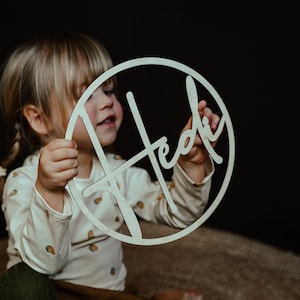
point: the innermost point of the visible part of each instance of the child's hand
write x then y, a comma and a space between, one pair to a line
193, 162
57, 165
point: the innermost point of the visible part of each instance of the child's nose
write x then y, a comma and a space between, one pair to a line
105, 102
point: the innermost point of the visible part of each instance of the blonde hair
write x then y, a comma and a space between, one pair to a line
50, 73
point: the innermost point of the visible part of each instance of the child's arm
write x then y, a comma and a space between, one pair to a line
38, 234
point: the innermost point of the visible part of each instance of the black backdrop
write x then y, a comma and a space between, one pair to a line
253, 66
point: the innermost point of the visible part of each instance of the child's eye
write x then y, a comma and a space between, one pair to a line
109, 92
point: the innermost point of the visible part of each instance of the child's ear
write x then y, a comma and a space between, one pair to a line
36, 119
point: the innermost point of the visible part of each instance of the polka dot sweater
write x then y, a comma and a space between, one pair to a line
67, 246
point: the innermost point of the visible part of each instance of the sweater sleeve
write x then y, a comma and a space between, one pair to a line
150, 202
38, 235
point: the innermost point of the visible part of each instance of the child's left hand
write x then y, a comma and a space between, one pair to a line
193, 163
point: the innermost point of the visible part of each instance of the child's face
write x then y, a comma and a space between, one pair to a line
106, 115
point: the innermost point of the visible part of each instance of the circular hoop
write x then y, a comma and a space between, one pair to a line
79, 111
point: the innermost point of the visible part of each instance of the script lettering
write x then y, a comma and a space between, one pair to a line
185, 144
187, 138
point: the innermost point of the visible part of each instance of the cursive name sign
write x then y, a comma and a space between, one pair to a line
186, 140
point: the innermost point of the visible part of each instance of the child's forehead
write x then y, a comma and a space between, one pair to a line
109, 84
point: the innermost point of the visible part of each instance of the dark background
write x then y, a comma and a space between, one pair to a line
253, 63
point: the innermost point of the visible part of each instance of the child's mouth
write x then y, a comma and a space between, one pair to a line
107, 121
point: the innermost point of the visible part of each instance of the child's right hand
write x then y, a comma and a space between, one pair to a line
57, 165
